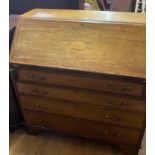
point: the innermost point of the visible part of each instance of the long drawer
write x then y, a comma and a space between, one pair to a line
81, 96
82, 127
85, 111
75, 80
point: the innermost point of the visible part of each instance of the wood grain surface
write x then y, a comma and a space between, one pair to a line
77, 126
86, 111
103, 48
109, 43
82, 81
79, 95
85, 15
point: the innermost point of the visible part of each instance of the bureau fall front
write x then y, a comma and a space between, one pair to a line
82, 73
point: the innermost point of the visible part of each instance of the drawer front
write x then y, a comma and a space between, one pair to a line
81, 96
85, 111
114, 86
82, 127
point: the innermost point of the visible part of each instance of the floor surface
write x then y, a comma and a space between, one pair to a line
51, 143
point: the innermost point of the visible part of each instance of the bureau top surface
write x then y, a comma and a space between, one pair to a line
86, 16
90, 41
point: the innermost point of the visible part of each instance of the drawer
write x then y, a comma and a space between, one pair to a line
82, 127
81, 96
85, 111
75, 80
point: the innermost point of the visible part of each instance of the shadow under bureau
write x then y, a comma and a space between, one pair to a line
82, 73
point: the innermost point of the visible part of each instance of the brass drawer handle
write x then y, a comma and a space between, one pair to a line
40, 121
75, 92
50, 122
126, 89
36, 91
122, 104
41, 77
38, 105
111, 87
31, 76
118, 118
48, 106
112, 134
43, 107
45, 92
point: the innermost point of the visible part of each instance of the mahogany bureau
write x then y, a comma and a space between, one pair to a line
82, 73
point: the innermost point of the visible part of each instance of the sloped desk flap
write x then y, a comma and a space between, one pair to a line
91, 41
